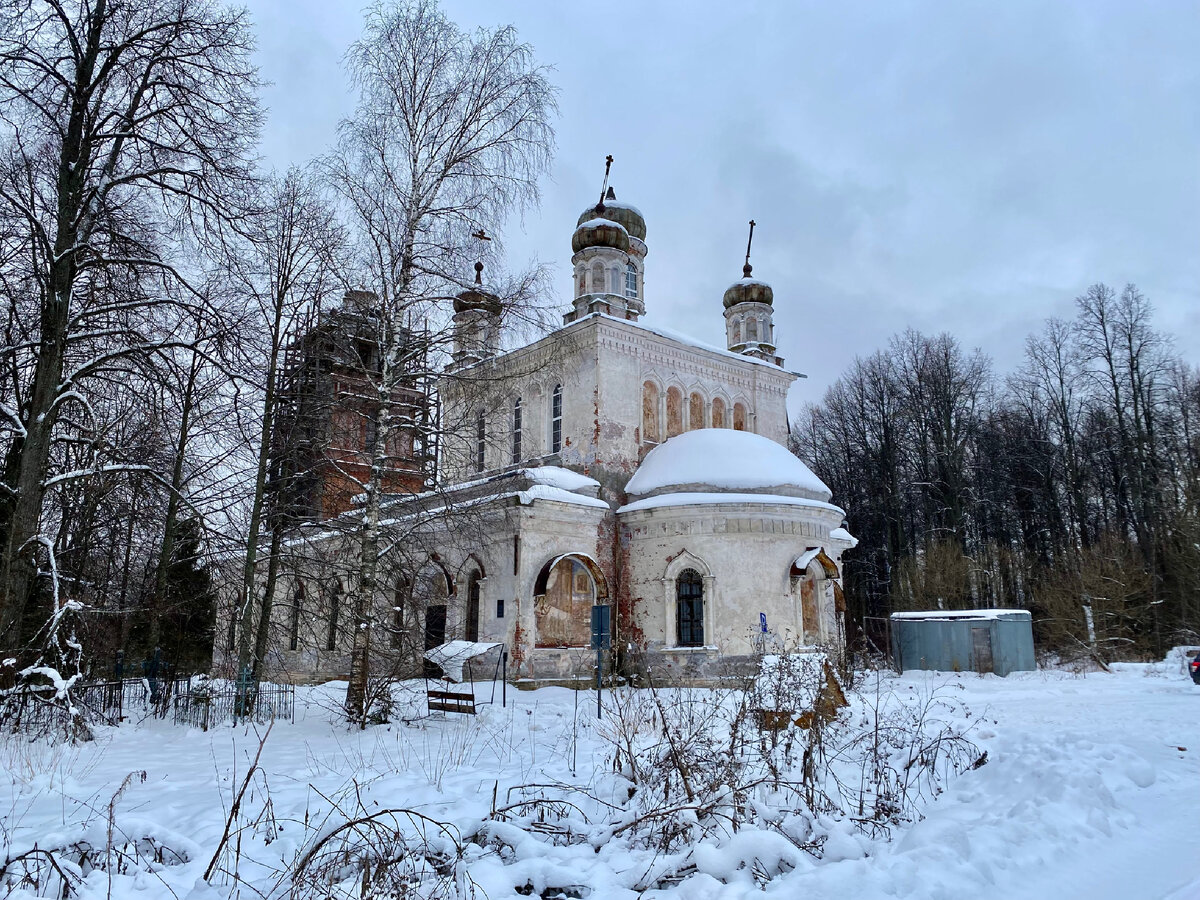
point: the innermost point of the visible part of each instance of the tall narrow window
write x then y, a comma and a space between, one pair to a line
480, 441
556, 419
631, 281
751, 331
718, 413
335, 601
689, 597
297, 602
737, 331
739, 417
516, 431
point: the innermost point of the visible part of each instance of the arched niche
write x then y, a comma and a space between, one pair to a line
812, 575
565, 590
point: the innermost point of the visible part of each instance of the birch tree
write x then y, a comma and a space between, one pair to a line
449, 136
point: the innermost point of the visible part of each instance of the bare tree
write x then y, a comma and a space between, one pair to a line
125, 126
449, 136
286, 261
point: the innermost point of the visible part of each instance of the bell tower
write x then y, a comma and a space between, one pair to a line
749, 326
608, 261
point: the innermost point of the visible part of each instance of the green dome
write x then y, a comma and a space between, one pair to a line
622, 213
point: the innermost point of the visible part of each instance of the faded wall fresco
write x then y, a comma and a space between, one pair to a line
564, 613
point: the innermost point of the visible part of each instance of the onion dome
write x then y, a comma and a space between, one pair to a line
600, 232
476, 297
748, 290
629, 217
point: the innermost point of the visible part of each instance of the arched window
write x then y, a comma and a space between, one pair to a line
695, 412
297, 602
614, 278
650, 412
739, 417
631, 281
597, 285
737, 331
516, 431
718, 413
581, 282
480, 441
335, 602
556, 419
751, 331
674, 411
689, 608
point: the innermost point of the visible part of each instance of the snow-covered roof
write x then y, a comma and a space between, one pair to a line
964, 614
841, 534
557, 476
681, 338
697, 498
725, 460
451, 657
548, 492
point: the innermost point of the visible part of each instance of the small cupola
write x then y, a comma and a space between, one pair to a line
609, 251
476, 324
749, 310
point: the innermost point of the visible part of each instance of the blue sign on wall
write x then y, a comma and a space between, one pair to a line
762, 622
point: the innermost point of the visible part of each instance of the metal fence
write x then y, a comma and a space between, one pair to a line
37, 709
213, 703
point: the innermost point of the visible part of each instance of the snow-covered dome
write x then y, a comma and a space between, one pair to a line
748, 290
476, 297
600, 233
628, 217
716, 460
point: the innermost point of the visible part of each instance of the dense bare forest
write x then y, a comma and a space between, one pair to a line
1068, 487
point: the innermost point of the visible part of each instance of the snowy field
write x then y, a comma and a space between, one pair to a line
1091, 789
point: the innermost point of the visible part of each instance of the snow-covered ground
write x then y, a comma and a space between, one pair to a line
1091, 789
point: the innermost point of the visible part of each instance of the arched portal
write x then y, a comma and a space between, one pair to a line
565, 590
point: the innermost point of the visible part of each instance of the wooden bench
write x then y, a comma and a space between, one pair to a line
452, 702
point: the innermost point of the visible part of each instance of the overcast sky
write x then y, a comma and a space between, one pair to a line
960, 166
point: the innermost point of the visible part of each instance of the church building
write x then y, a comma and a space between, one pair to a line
610, 463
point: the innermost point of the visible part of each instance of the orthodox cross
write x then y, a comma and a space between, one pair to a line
746, 269
604, 187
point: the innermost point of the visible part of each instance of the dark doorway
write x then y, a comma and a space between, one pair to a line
473, 607
435, 626
435, 634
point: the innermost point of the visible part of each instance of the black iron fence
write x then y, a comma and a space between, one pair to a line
34, 708
189, 700
213, 703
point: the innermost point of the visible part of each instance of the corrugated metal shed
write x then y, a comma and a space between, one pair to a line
975, 640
